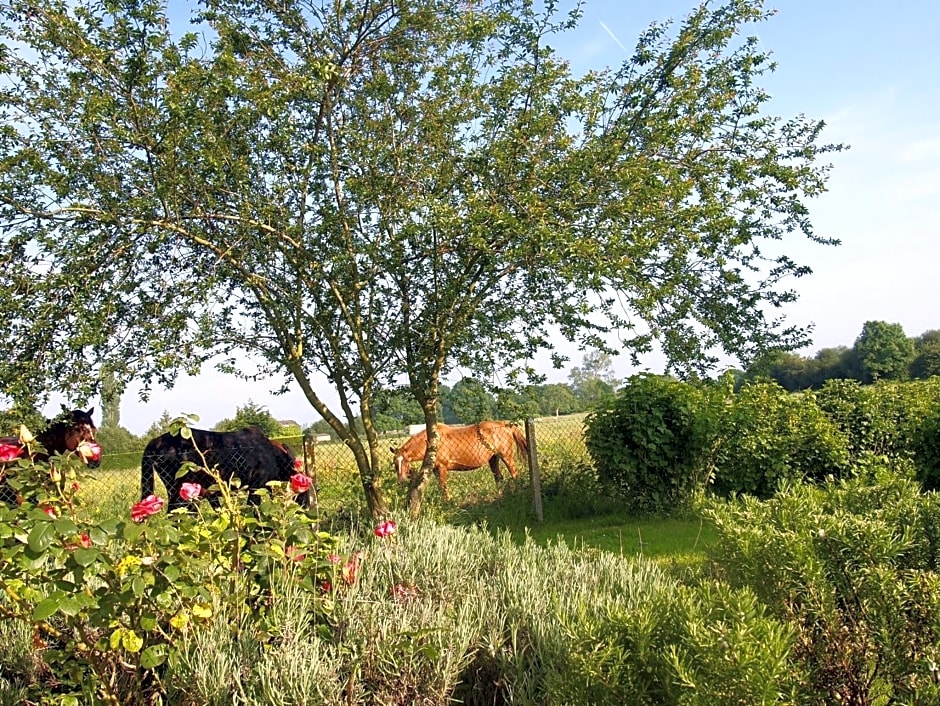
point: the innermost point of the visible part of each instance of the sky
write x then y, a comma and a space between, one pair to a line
869, 69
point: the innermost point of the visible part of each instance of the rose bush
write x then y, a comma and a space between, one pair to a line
108, 601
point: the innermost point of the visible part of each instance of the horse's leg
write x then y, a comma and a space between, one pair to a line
442, 479
497, 471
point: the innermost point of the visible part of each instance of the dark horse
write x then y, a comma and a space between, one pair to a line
463, 448
73, 432
246, 454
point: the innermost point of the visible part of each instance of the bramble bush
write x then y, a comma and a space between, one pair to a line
770, 436
107, 602
653, 444
883, 419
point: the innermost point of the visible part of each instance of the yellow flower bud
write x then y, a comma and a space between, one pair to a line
26, 436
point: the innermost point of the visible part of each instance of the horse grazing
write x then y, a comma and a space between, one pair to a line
464, 448
246, 454
73, 432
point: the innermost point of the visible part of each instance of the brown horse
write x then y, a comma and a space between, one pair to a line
72, 432
463, 448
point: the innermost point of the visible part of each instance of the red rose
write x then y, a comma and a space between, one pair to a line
351, 568
150, 505
10, 452
49, 510
299, 483
298, 464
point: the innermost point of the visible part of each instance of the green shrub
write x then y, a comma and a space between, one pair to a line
653, 444
770, 436
851, 566
882, 419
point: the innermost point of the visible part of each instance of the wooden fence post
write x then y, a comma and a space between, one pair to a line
534, 468
310, 468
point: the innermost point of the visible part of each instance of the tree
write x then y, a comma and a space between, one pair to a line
380, 192
884, 351
556, 399
594, 382
926, 361
396, 410
248, 415
471, 402
110, 400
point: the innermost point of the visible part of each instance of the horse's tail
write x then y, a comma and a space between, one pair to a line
147, 472
522, 444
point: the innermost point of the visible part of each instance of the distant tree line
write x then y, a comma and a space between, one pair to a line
882, 351
469, 401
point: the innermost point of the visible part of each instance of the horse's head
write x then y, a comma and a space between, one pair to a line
77, 432
402, 467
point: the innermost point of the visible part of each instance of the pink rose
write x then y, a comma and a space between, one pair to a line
299, 483
150, 505
10, 452
190, 491
386, 529
334, 558
89, 450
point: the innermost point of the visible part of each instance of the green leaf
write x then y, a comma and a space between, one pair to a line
85, 557
46, 608
64, 525
70, 606
154, 656
41, 536
132, 531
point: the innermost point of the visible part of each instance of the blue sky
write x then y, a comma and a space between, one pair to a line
870, 70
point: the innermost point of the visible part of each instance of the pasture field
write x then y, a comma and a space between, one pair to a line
575, 510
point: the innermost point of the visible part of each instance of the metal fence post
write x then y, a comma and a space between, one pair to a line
534, 468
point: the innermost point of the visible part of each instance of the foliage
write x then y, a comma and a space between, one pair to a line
593, 382
381, 192
109, 600
925, 434
852, 567
884, 419
395, 410
770, 436
926, 355
251, 414
470, 402
652, 446
118, 440
884, 351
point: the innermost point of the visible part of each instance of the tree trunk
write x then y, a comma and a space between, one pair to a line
419, 483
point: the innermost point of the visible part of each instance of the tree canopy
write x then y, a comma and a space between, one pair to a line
381, 191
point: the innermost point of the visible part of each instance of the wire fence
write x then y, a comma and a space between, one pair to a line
555, 445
